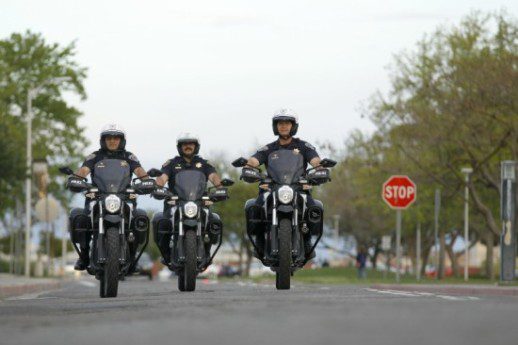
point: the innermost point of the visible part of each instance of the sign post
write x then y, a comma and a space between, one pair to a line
399, 192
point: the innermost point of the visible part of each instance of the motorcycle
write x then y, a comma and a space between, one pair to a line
193, 232
285, 216
120, 233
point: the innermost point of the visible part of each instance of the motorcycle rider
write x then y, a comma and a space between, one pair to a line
188, 147
112, 146
285, 125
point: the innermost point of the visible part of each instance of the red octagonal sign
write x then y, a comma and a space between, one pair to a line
399, 191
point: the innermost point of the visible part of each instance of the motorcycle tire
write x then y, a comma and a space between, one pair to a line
110, 275
283, 274
191, 261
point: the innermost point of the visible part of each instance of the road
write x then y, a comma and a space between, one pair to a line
246, 313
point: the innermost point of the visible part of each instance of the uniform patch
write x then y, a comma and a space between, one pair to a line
124, 164
178, 166
90, 157
198, 165
133, 158
310, 146
296, 151
166, 163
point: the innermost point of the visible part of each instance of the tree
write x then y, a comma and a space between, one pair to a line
28, 61
453, 104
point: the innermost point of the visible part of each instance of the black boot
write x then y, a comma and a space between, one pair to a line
307, 248
83, 261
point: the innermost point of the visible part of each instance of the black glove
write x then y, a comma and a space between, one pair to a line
146, 186
159, 193
76, 184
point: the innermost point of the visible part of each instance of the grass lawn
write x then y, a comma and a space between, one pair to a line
348, 275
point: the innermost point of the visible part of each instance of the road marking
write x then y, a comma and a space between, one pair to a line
423, 294
30, 296
87, 283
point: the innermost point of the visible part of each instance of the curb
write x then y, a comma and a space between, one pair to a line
453, 290
22, 289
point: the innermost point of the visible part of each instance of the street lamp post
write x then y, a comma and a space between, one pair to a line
467, 171
31, 94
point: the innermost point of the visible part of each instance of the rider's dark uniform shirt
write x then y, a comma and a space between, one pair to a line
307, 151
98, 156
178, 163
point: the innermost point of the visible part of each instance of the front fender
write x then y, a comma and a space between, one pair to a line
285, 208
112, 218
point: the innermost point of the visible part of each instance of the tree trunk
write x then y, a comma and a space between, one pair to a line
489, 256
453, 258
248, 258
425, 255
374, 257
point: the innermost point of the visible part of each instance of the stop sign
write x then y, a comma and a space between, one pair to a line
399, 191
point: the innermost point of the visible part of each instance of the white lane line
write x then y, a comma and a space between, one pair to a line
87, 283
424, 294
30, 296
394, 292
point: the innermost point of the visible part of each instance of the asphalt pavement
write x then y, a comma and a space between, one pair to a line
239, 312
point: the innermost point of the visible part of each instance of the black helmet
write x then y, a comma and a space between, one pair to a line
187, 138
285, 114
113, 130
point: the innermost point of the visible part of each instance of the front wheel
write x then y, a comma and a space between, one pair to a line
191, 261
283, 274
110, 275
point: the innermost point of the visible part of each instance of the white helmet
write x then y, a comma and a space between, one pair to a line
113, 129
285, 114
187, 137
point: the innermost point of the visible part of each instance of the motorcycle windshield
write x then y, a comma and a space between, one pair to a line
190, 185
285, 166
112, 175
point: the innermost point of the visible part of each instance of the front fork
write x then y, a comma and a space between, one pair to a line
296, 236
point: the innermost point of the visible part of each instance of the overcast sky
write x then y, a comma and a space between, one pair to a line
220, 68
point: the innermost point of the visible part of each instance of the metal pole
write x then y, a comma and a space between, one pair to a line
398, 244
418, 253
47, 243
28, 187
11, 243
466, 230
437, 206
508, 216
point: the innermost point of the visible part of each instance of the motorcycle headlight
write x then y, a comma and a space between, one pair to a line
112, 203
190, 209
285, 194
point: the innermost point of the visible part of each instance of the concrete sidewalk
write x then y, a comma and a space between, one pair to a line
11, 285
461, 289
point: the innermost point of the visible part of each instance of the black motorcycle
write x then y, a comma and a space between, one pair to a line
285, 216
120, 233
194, 230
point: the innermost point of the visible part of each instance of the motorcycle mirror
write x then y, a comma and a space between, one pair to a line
240, 162
66, 171
154, 172
327, 163
226, 182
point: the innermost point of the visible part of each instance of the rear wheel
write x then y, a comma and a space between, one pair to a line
110, 276
191, 260
283, 274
